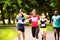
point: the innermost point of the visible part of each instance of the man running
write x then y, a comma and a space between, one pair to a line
56, 24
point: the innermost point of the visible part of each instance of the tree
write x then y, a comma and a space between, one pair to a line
1, 8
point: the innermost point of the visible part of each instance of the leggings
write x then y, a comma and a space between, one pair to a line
35, 31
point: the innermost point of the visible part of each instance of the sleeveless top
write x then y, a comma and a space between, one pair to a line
43, 24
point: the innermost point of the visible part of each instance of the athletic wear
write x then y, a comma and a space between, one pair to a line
56, 20
56, 25
43, 25
35, 31
20, 23
34, 20
58, 29
43, 30
19, 29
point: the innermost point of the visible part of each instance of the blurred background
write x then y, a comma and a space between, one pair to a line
9, 10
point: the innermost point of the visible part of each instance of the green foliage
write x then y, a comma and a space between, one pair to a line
49, 27
27, 5
11, 7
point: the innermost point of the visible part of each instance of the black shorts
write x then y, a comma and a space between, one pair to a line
21, 29
57, 29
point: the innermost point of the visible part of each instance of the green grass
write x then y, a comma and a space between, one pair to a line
7, 25
50, 27
7, 33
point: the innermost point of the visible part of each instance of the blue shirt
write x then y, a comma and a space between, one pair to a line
56, 21
20, 22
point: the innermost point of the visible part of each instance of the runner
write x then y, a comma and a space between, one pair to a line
43, 28
56, 24
34, 21
20, 25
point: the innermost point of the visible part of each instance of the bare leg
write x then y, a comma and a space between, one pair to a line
44, 36
23, 35
55, 33
18, 35
58, 34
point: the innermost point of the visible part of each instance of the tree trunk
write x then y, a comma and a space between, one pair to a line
13, 17
1, 8
13, 20
2, 16
58, 6
9, 21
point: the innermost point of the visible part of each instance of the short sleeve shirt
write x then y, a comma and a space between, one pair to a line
20, 22
56, 20
34, 20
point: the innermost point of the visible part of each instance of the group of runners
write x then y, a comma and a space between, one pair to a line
33, 18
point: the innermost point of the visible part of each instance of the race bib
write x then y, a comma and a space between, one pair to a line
19, 21
34, 19
42, 25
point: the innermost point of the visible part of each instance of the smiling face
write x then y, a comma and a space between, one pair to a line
55, 12
43, 15
20, 14
34, 12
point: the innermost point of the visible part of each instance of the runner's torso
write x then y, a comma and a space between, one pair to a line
20, 22
34, 20
55, 19
43, 24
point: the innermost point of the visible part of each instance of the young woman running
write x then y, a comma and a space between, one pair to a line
34, 22
43, 29
20, 25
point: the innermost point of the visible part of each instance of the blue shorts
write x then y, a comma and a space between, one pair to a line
21, 29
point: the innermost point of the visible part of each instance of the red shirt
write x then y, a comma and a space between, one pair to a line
34, 20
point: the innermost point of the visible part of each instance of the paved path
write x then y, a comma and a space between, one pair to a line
28, 36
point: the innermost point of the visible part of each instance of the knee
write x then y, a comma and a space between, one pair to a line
55, 30
18, 33
44, 36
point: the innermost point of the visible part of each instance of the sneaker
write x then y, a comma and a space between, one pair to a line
37, 39
33, 38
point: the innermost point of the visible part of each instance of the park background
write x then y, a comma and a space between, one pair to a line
9, 10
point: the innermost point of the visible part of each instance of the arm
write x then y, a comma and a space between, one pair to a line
25, 14
47, 21
27, 20
38, 17
39, 23
16, 23
52, 21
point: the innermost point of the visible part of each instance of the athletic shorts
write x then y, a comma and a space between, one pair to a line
43, 30
58, 29
21, 29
